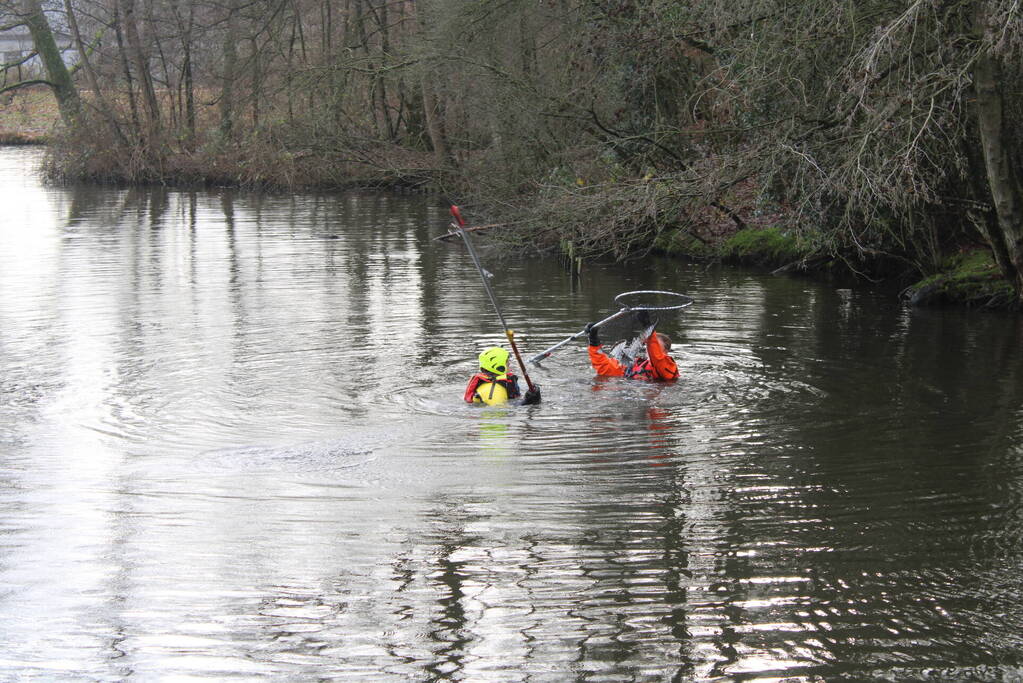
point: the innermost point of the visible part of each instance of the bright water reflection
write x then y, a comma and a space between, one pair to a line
232, 446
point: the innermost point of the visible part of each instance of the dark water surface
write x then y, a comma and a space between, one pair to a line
232, 447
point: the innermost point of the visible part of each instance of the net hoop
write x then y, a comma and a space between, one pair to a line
683, 300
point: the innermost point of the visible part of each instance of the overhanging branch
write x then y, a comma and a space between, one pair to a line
25, 84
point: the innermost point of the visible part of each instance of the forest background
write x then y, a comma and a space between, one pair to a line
877, 137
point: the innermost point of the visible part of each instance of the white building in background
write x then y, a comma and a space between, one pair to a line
16, 43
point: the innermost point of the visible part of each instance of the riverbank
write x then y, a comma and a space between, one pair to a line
969, 277
579, 218
630, 218
265, 159
256, 163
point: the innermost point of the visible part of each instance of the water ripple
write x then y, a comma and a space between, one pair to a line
234, 445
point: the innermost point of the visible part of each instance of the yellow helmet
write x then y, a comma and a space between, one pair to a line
494, 360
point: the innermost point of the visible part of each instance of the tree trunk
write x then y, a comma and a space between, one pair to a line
122, 54
99, 100
141, 63
435, 126
1002, 179
189, 81
257, 82
57, 72
230, 69
383, 19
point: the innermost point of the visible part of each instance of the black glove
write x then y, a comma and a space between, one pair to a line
532, 396
643, 318
592, 332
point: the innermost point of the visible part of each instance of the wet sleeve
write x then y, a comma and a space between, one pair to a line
470, 389
664, 365
513, 386
605, 365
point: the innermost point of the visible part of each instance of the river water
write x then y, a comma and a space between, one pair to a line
232, 446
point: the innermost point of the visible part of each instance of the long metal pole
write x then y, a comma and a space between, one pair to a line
625, 309
544, 354
459, 224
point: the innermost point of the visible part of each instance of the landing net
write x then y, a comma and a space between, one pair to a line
625, 334
625, 325
653, 300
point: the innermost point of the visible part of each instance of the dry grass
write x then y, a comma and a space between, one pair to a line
27, 116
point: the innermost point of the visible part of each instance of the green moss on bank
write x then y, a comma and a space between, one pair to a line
771, 247
969, 278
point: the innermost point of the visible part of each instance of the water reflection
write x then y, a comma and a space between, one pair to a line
234, 445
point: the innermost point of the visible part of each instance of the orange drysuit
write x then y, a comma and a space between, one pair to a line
658, 365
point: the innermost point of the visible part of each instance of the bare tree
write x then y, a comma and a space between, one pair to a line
58, 76
1003, 179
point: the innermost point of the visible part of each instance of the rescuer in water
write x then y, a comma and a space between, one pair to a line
495, 383
656, 366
